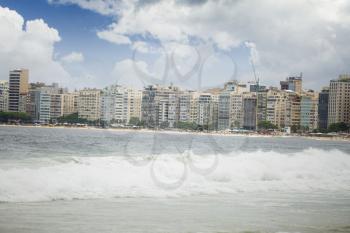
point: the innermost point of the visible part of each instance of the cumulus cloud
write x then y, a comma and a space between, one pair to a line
131, 73
291, 36
29, 45
73, 57
113, 37
105, 7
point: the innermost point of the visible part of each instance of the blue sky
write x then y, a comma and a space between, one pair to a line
97, 39
77, 28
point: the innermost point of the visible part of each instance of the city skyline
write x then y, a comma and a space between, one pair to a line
95, 43
234, 105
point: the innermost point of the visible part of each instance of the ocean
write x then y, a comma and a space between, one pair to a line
94, 180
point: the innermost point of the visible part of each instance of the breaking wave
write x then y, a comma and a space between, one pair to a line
171, 175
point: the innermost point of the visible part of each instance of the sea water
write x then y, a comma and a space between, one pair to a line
90, 180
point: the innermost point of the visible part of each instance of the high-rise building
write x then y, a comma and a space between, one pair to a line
134, 98
339, 100
108, 107
89, 104
44, 106
39, 105
4, 93
261, 105
148, 107
160, 106
70, 103
185, 106
18, 90
224, 105
224, 110
292, 109
249, 112
119, 104
56, 106
207, 106
309, 110
236, 110
276, 105
323, 98
292, 84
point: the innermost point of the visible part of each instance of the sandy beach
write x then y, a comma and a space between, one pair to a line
177, 131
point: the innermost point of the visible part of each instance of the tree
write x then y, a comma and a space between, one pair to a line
186, 125
266, 125
72, 119
134, 121
236, 124
294, 128
338, 127
164, 125
14, 116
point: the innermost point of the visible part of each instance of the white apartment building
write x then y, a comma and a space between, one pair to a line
4, 93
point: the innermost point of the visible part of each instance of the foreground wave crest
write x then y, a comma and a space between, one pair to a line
115, 176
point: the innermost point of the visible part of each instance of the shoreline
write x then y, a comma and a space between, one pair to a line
212, 133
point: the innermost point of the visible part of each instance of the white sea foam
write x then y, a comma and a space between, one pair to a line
171, 175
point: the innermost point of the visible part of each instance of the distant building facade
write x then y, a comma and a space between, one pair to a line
89, 104
339, 100
309, 111
18, 90
249, 106
323, 99
292, 84
4, 93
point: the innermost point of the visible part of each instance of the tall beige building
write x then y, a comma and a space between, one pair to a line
89, 104
339, 100
292, 109
18, 90
276, 106
70, 103
134, 98
309, 110
4, 93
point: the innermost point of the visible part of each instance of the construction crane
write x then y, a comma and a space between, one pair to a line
257, 88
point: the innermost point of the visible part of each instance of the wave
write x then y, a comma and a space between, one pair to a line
173, 175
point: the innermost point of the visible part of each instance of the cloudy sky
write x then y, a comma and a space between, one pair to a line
191, 43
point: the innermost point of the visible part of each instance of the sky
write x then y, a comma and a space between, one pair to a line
195, 44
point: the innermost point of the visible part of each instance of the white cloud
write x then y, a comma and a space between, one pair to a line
113, 37
105, 7
132, 73
29, 45
73, 57
292, 36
